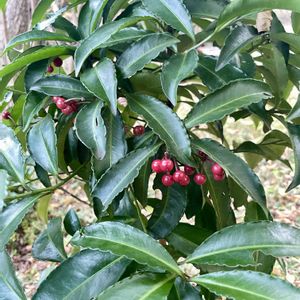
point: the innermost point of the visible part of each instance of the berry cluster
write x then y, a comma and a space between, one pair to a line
57, 62
67, 107
166, 165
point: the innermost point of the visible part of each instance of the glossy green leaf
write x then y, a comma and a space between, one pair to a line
10, 288
36, 35
292, 39
226, 100
61, 85
98, 38
235, 167
40, 54
90, 128
168, 212
122, 174
12, 216
294, 133
247, 285
35, 72
235, 245
112, 9
240, 37
42, 144
82, 276
177, 68
71, 222
165, 123
205, 8
11, 157
42, 208
65, 25
183, 290
3, 187
172, 12
140, 287
295, 111
296, 22
102, 82
33, 104
51, 18
206, 70
40, 11
125, 240
49, 245
143, 51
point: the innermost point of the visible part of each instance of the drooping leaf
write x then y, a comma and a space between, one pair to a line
143, 51
40, 11
292, 39
71, 222
226, 100
3, 187
42, 144
169, 211
90, 128
42, 208
235, 245
247, 285
11, 157
140, 287
183, 290
49, 245
295, 111
112, 8
177, 68
125, 240
172, 12
51, 18
36, 35
61, 85
82, 276
121, 174
10, 288
102, 82
40, 54
235, 167
65, 25
240, 37
11, 217
165, 123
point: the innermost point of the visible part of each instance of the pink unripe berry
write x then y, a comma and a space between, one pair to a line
61, 103
178, 176
217, 169
156, 166
219, 177
185, 181
199, 178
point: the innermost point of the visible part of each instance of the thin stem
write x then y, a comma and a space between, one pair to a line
74, 196
15, 91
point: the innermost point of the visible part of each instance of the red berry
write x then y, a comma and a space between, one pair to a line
178, 176
61, 103
56, 98
219, 177
138, 130
74, 105
6, 115
57, 62
167, 180
50, 69
217, 169
189, 170
167, 165
156, 166
202, 156
68, 110
185, 181
199, 178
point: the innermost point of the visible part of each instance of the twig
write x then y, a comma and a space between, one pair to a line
74, 196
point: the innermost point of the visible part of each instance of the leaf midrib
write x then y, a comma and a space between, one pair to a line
10, 286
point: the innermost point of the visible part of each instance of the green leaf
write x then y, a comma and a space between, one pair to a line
236, 168
205, 8
49, 245
42, 144
61, 85
35, 72
122, 174
294, 133
123, 239
40, 54
10, 286
36, 35
165, 123
90, 128
292, 39
172, 12
51, 18
11, 157
40, 11
34, 102
296, 22
143, 51
82, 276
116, 146
206, 70
295, 111
3, 187
71, 222
12, 216
177, 68
226, 100
183, 290
247, 285
140, 287
168, 212
65, 25
42, 208
102, 82
235, 245
113, 8
98, 38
